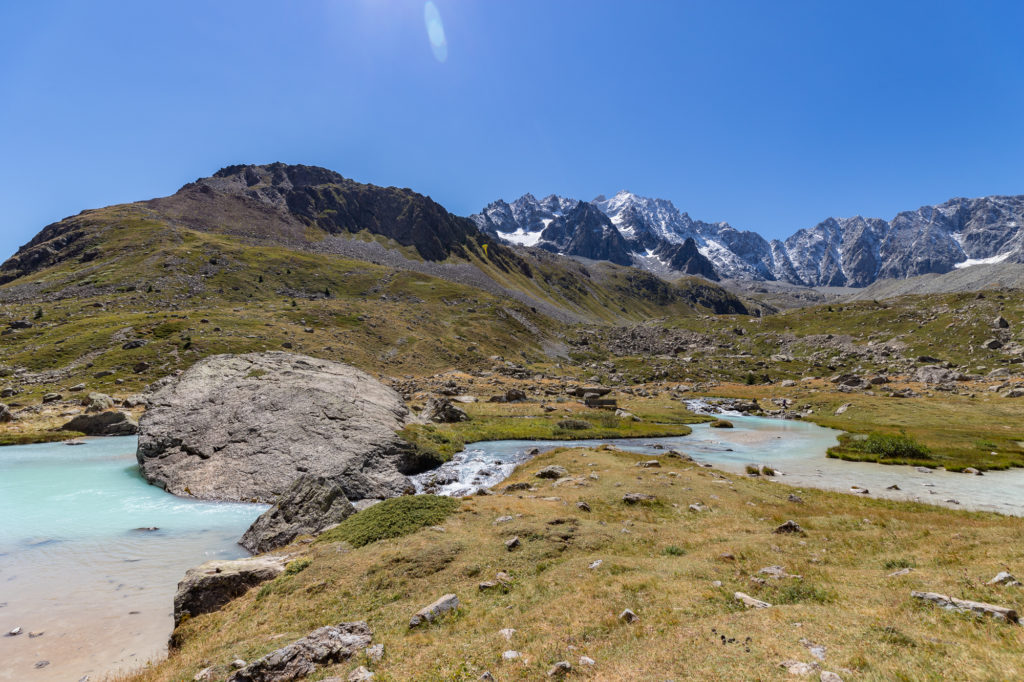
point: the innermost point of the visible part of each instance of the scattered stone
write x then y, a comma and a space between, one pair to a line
515, 395
14, 632
311, 504
507, 633
238, 664
973, 471
583, 506
553, 472
113, 423
1000, 323
628, 616
360, 674
595, 564
514, 487
1002, 578
829, 676
327, 645
967, 606
41, 664
749, 601
486, 676
512, 543
210, 586
442, 411
843, 408
37, 633
375, 653
777, 572
205, 675
6, 416
901, 572
560, 669
795, 498
894, 487
503, 519
510, 655
817, 650
52, 398
697, 507
857, 490
992, 344
427, 614
649, 464
587, 660
637, 498
98, 402
789, 527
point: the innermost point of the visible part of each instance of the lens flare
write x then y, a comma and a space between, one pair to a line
435, 31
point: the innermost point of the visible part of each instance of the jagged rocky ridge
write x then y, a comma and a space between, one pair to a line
854, 252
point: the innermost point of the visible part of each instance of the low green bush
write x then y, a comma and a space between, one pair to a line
392, 519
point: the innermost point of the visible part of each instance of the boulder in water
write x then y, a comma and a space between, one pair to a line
244, 427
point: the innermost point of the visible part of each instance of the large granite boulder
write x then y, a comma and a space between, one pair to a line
311, 504
324, 646
208, 587
112, 423
244, 427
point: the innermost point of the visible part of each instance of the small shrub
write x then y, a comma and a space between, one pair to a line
392, 519
721, 424
574, 424
897, 446
767, 470
797, 592
901, 562
753, 470
297, 566
751, 379
673, 550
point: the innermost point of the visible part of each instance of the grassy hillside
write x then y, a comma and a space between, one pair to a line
677, 569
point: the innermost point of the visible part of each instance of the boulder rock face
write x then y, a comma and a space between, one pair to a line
208, 587
330, 644
442, 411
244, 427
311, 504
113, 423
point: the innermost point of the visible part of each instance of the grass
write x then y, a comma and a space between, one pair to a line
664, 569
392, 519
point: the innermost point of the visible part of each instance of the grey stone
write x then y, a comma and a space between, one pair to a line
327, 645
637, 498
98, 402
113, 423
628, 616
6, 415
311, 504
789, 527
442, 411
554, 472
243, 427
360, 674
208, 587
427, 614
52, 398
560, 669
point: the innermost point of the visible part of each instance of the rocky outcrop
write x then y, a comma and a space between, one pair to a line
311, 504
112, 423
244, 427
209, 587
327, 645
5, 414
442, 411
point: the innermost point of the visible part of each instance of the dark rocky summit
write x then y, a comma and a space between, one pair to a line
244, 427
311, 504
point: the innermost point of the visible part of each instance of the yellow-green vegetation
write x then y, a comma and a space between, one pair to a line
675, 568
528, 421
392, 519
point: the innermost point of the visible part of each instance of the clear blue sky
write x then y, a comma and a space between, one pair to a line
771, 115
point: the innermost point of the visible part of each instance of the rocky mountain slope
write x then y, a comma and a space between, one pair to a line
853, 252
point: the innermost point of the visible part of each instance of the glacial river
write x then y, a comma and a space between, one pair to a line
74, 566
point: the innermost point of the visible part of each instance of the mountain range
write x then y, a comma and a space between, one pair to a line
854, 252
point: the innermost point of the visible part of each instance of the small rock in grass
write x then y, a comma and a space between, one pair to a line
795, 498
448, 602
238, 664
1002, 578
829, 676
486, 676
560, 669
789, 527
360, 674
510, 655
587, 660
507, 633
583, 506
799, 668
554, 472
503, 519
628, 616
375, 653
649, 464
750, 601
512, 543
637, 498
902, 571
595, 564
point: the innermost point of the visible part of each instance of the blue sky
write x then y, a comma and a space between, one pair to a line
771, 115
